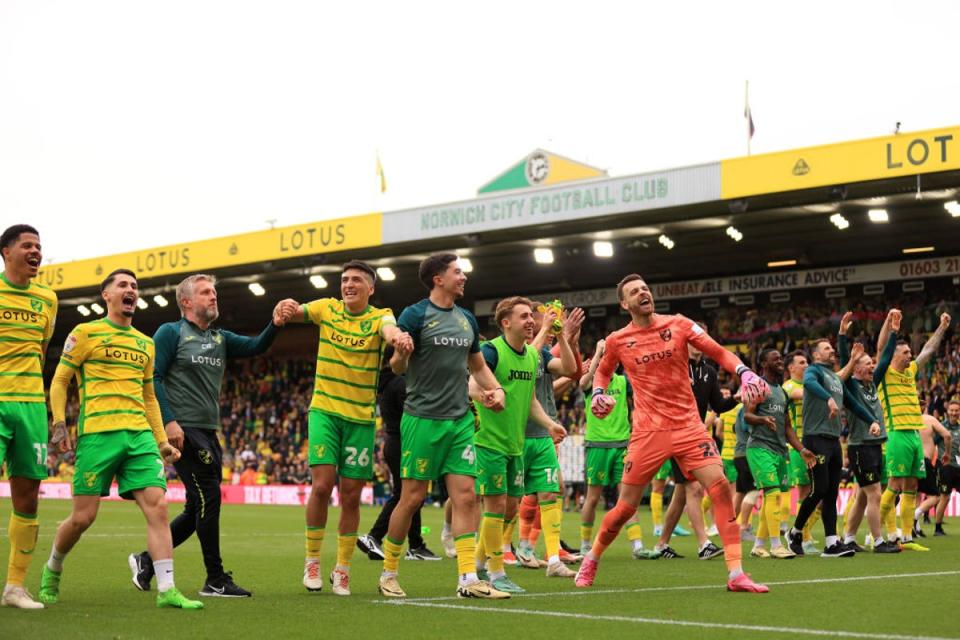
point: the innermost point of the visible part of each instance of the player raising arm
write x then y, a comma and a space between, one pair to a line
666, 423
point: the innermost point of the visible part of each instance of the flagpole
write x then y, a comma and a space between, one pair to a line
747, 113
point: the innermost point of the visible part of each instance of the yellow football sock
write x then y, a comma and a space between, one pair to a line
466, 546
784, 507
656, 507
346, 543
888, 512
391, 554
634, 532
771, 512
846, 511
508, 527
314, 542
586, 531
550, 519
491, 535
908, 502
23, 532
763, 531
705, 506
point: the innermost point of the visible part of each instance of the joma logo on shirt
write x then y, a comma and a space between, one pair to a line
656, 356
119, 354
23, 316
520, 375
344, 340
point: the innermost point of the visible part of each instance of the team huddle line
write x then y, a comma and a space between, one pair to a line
480, 416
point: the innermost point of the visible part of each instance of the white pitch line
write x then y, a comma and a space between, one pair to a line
700, 587
833, 633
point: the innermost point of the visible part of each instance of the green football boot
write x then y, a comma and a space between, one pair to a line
174, 599
49, 586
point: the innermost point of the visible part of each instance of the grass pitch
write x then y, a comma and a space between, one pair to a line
908, 595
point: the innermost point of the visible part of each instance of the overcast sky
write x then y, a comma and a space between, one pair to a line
127, 124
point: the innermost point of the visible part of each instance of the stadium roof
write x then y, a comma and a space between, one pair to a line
781, 203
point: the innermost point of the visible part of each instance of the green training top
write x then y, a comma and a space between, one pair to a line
503, 431
613, 431
189, 369
763, 436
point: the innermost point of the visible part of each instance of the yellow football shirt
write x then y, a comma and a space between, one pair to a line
27, 318
348, 358
729, 420
900, 401
795, 407
113, 366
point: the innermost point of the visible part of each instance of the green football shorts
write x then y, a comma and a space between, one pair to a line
541, 469
347, 445
604, 467
23, 439
130, 456
730, 470
769, 469
799, 474
435, 448
905, 454
498, 473
664, 472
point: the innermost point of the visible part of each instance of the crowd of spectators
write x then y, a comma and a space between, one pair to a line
264, 401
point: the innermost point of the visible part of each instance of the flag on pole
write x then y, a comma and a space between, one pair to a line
380, 174
748, 114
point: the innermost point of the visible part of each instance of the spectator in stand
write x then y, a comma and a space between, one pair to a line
249, 476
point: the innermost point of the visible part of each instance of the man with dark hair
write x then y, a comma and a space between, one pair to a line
437, 425
902, 416
435, 265
653, 352
823, 398
120, 434
188, 373
770, 433
391, 393
797, 363
342, 416
30, 311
